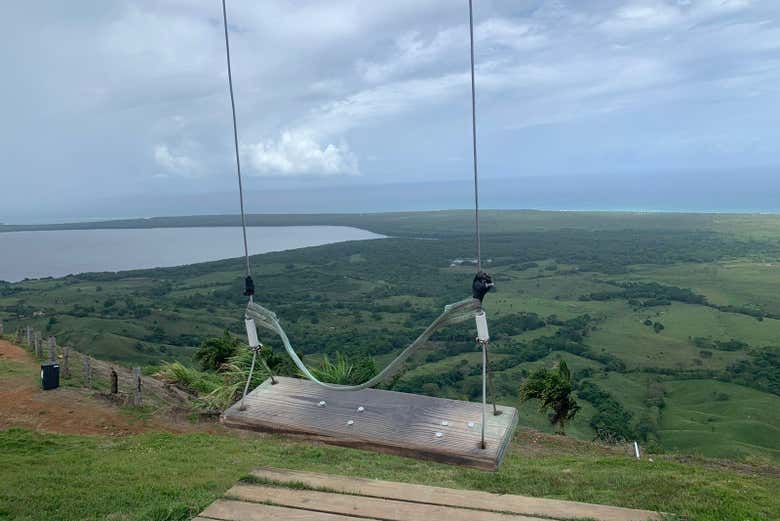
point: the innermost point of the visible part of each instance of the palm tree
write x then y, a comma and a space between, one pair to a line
553, 389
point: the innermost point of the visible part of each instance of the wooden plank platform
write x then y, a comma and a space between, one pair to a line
289, 495
404, 424
472, 499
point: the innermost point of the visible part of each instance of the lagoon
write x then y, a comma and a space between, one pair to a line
38, 254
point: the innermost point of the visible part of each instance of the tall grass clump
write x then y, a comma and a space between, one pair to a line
344, 371
219, 388
234, 374
187, 378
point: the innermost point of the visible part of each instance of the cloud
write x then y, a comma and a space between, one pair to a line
142, 85
529, 64
651, 15
297, 153
410, 53
175, 163
509, 34
643, 16
374, 105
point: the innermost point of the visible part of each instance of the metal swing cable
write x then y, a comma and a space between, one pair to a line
474, 138
487, 376
235, 142
249, 284
449, 316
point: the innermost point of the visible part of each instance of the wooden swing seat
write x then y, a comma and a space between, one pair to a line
411, 425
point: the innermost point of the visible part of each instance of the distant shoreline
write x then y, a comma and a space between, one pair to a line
330, 219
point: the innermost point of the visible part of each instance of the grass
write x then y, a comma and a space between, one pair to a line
347, 297
165, 477
623, 334
188, 378
13, 368
737, 282
171, 477
700, 418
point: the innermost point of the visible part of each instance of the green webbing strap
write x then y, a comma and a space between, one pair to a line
452, 314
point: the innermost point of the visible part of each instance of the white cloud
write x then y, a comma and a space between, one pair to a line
411, 52
501, 32
175, 163
298, 153
319, 84
372, 105
643, 16
650, 15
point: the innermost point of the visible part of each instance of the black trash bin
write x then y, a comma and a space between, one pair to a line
50, 375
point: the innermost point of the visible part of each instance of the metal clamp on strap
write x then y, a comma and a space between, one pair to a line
483, 336
251, 333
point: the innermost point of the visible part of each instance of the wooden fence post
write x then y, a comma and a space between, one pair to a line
52, 349
137, 384
2, 328
87, 372
65, 367
29, 337
114, 382
19, 336
38, 345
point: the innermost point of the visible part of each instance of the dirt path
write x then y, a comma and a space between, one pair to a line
66, 410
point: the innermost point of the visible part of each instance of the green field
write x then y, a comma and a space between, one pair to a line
655, 313
721, 419
165, 477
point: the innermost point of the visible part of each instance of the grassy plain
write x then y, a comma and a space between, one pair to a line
373, 297
167, 477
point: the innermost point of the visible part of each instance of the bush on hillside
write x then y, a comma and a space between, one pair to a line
760, 371
612, 422
214, 352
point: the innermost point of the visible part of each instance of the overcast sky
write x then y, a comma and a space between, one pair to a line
114, 102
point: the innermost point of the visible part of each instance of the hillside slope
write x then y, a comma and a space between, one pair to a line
128, 467
670, 322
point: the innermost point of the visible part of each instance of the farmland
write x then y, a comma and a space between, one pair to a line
670, 322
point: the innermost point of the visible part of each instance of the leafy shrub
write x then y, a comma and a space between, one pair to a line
720, 345
612, 422
760, 371
216, 351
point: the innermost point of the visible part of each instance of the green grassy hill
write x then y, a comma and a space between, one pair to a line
167, 477
670, 322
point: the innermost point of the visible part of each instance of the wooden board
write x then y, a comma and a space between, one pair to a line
226, 510
286, 496
458, 498
404, 424
373, 508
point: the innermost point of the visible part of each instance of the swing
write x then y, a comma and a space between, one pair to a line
449, 431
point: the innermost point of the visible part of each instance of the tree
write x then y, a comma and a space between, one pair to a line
553, 389
214, 352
